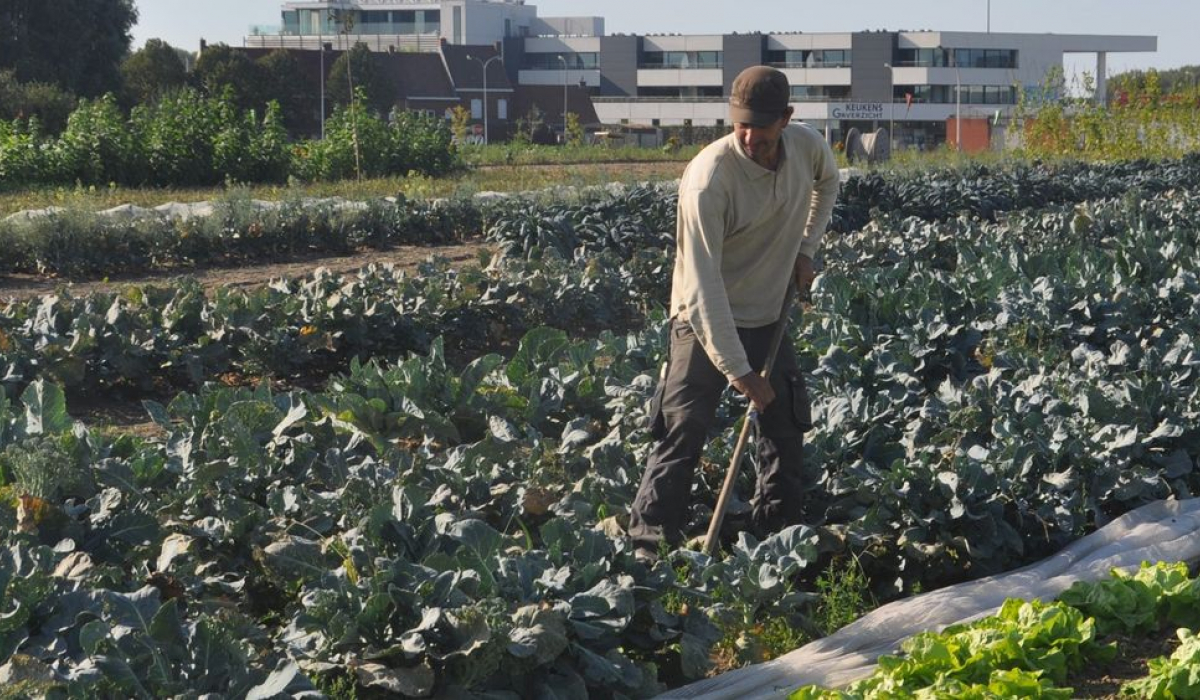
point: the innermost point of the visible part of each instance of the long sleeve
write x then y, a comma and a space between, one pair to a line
701, 239
825, 190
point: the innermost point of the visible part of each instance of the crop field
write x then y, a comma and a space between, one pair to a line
388, 483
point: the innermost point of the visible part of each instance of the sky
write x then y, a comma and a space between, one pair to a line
183, 23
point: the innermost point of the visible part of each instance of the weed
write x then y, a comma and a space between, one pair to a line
845, 595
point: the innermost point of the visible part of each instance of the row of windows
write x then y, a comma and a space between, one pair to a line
549, 61
818, 93
821, 58
968, 94
681, 59
363, 22
963, 58
683, 92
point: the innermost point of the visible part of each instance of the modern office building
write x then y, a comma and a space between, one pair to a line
914, 82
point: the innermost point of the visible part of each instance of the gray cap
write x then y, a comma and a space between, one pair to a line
759, 97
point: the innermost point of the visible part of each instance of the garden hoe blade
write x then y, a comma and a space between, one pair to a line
735, 464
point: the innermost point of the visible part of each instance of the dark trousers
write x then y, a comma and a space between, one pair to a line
683, 412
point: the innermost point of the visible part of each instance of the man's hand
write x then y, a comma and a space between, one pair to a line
756, 388
804, 275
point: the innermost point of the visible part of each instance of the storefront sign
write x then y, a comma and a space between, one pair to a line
856, 110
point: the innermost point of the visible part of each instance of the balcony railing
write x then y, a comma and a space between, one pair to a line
658, 66
611, 99
809, 66
420, 43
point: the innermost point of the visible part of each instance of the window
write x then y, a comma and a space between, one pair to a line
681, 60
683, 92
429, 21
970, 94
502, 109
405, 21
817, 93
476, 109
829, 58
985, 58
655, 122
549, 61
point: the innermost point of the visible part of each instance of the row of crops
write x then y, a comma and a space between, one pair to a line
80, 244
440, 511
1030, 649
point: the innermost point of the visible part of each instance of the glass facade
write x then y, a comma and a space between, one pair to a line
970, 94
682, 92
820, 93
821, 58
963, 58
549, 61
365, 22
681, 60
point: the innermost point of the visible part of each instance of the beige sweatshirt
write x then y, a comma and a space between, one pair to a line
740, 230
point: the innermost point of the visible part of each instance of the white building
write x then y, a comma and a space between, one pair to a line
911, 81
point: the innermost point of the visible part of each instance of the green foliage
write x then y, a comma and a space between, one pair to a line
98, 146
77, 45
574, 130
357, 141
1142, 120
1169, 80
460, 122
185, 139
1174, 677
1135, 604
358, 69
152, 72
845, 596
280, 84
225, 72
48, 103
1025, 648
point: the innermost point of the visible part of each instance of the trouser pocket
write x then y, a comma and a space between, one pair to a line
657, 422
800, 406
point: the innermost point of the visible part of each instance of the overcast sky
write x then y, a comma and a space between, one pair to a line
182, 23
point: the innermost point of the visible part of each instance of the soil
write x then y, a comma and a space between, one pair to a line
1130, 663
22, 287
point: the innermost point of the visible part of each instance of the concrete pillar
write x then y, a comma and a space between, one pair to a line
1102, 78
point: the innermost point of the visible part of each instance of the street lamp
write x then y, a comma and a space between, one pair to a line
891, 102
325, 46
485, 100
564, 62
957, 108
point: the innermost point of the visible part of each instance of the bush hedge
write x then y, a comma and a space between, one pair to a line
189, 140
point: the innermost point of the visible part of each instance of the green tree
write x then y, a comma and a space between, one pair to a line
50, 104
75, 44
359, 67
151, 72
282, 82
222, 68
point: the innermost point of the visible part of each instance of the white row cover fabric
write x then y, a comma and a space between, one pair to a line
1166, 531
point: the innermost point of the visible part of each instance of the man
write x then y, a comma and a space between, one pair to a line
753, 207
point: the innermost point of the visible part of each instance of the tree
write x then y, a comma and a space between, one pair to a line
1174, 80
49, 103
77, 45
359, 65
151, 72
221, 68
282, 83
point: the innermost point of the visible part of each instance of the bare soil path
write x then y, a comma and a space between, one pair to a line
24, 287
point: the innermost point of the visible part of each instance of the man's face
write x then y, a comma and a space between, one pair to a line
761, 143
